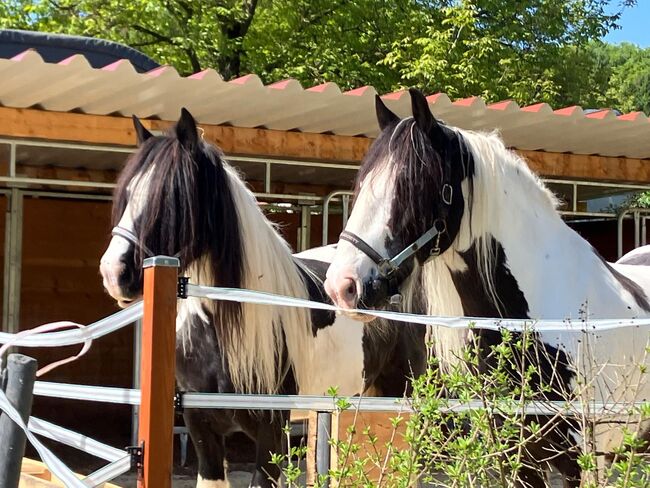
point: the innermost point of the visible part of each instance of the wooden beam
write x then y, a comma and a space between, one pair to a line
66, 127
579, 166
118, 131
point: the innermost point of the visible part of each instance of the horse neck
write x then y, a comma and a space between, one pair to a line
553, 267
265, 330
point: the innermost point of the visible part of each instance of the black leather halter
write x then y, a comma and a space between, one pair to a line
129, 236
389, 266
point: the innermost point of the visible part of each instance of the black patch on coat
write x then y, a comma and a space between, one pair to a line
316, 291
475, 299
393, 356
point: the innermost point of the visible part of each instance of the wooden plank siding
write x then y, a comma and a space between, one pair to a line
112, 130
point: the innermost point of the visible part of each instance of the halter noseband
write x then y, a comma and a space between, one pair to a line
388, 267
129, 236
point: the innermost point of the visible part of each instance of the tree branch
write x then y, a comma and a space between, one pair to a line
159, 37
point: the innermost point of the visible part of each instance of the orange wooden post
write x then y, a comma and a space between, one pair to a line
157, 373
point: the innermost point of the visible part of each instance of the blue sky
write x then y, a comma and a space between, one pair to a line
634, 23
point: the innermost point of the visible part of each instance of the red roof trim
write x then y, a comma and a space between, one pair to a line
21, 56
282, 84
242, 80
320, 88
200, 75
466, 102
357, 92
599, 115
567, 111
394, 95
115, 65
537, 107
631, 116
503, 105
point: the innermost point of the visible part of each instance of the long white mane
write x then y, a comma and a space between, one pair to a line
265, 330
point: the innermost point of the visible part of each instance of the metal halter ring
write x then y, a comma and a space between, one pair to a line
447, 193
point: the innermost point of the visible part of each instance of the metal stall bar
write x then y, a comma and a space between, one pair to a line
13, 260
326, 207
639, 215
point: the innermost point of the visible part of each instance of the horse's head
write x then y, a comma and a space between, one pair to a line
408, 206
172, 198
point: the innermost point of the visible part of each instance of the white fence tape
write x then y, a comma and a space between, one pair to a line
109, 472
106, 394
120, 462
79, 336
378, 404
238, 401
53, 463
74, 439
263, 298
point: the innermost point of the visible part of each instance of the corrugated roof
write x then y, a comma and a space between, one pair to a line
73, 85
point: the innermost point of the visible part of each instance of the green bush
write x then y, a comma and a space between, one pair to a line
468, 426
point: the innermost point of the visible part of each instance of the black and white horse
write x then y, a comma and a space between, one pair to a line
177, 196
489, 243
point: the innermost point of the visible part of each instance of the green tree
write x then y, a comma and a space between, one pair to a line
519, 49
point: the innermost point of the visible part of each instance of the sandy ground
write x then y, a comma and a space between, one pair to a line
238, 479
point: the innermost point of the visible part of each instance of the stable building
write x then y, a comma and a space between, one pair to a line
65, 132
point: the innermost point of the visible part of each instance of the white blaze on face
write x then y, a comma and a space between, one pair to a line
111, 265
368, 220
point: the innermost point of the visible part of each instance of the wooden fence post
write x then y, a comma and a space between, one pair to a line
157, 371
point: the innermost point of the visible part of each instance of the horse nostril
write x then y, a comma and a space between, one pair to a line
349, 291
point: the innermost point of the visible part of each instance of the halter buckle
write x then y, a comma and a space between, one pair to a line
386, 268
441, 227
447, 193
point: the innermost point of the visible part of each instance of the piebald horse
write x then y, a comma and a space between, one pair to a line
178, 196
458, 225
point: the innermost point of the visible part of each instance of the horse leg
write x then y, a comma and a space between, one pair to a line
269, 441
210, 449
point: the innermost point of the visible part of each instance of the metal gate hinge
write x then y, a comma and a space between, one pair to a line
183, 281
178, 401
137, 457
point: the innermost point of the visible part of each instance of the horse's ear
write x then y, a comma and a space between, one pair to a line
186, 131
385, 116
423, 116
141, 132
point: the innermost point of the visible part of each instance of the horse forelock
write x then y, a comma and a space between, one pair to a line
404, 155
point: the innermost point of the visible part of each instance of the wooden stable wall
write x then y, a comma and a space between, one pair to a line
63, 240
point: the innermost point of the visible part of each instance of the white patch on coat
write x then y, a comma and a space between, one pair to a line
338, 348
203, 483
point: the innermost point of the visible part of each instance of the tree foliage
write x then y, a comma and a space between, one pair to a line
526, 50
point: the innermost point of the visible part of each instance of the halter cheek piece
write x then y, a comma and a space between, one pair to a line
129, 236
388, 267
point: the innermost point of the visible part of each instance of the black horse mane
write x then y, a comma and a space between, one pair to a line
189, 211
